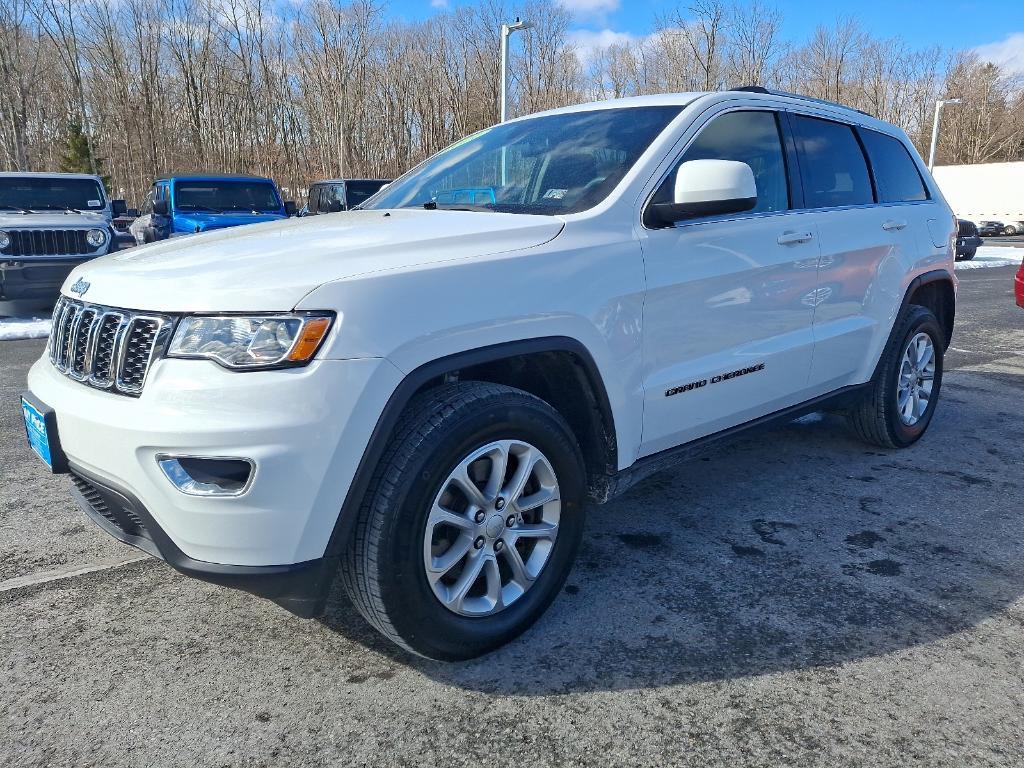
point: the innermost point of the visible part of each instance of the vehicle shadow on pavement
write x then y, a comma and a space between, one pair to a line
794, 549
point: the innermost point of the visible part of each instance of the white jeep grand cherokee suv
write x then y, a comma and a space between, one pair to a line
420, 397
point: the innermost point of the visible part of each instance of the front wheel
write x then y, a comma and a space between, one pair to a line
471, 523
900, 404
1010, 230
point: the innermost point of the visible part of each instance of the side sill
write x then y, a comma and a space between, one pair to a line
615, 485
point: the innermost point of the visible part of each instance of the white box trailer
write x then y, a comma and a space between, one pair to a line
984, 191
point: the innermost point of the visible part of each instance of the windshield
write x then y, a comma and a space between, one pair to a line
555, 164
358, 192
231, 196
42, 194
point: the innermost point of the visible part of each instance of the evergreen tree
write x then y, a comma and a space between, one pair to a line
77, 156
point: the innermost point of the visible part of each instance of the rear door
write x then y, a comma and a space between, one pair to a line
859, 241
868, 237
727, 320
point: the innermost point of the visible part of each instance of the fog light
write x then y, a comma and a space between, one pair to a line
207, 476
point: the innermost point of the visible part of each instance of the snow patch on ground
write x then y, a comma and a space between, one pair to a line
993, 256
15, 328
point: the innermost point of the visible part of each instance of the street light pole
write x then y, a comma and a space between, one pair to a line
935, 129
506, 33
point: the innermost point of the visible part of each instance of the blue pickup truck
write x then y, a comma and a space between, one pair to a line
184, 205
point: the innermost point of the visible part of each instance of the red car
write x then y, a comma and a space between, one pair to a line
1018, 285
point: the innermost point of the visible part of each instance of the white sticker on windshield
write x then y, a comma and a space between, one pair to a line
555, 194
93, 203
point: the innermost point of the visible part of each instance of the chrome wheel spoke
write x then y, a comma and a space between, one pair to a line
439, 515
464, 482
527, 461
536, 531
442, 564
538, 499
516, 566
469, 576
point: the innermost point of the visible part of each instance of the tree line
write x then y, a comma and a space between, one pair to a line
327, 88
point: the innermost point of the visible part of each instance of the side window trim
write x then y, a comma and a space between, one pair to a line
674, 164
796, 182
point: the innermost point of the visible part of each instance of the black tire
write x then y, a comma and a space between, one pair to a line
382, 569
966, 255
876, 419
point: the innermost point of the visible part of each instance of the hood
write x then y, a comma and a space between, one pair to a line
204, 222
271, 266
51, 220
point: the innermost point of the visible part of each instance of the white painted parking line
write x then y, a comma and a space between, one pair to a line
66, 573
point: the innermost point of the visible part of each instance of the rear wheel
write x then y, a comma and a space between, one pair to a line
902, 399
967, 255
1010, 229
471, 523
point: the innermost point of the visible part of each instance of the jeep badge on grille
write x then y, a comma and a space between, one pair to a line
80, 287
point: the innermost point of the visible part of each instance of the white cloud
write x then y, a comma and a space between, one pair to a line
1007, 53
588, 42
592, 8
438, 3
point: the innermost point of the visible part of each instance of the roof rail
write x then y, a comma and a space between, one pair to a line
802, 97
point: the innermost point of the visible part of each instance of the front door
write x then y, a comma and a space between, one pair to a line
730, 301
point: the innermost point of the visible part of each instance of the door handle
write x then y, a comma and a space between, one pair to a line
893, 225
792, 238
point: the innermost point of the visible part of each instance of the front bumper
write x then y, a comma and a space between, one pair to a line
304, 428
967, 243
299, 587
26, 279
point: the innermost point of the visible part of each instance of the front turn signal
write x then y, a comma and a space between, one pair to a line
312, 333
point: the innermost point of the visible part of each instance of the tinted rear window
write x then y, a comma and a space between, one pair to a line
832, 164
896, 176
357, 192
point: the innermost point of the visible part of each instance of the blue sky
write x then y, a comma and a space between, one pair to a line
995, 27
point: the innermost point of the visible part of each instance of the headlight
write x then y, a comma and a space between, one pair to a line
251, 342
5, 240
95, 237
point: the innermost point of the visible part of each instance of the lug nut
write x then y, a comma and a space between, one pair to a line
499, 504
499, 545
479, 517
479, 543
510, 521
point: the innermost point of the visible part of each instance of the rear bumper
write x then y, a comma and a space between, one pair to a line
300, 587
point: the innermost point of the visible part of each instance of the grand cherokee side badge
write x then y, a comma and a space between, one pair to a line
714, 379
80, 287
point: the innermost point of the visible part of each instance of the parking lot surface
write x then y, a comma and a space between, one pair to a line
793, 598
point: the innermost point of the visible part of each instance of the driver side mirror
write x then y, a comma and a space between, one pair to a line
118, 208
709, 188
289, 208
160, 208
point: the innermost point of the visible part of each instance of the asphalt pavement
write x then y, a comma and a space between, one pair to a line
794, 598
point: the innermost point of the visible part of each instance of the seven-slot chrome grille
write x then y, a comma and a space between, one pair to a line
105, 347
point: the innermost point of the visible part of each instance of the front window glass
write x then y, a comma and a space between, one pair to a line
555, 164
748, 137
43, 194
226, 196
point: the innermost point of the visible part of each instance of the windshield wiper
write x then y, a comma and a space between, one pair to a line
192, 207
65, 208
17, 208
432, 205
